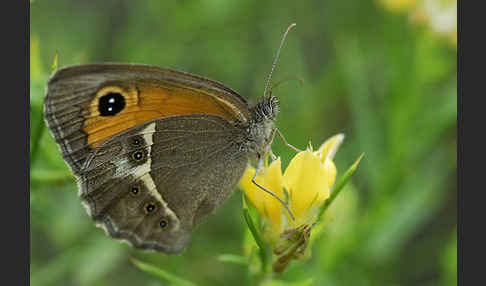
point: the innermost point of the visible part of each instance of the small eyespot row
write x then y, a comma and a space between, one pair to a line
150, 208
138, 155
136, 141
163, 223
135, 190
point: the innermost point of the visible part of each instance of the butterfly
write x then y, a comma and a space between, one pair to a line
155, 150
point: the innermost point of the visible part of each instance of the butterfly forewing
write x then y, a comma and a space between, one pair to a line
88, 104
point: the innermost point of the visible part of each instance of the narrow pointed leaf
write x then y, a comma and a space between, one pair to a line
55, 62
157, 272
339, 186
234, 259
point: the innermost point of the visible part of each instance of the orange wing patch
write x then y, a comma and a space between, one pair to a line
145, 103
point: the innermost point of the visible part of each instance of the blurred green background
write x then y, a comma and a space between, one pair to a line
381, 72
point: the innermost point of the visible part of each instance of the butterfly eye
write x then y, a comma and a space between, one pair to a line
163, 223
138, 155
135, 191
150, 208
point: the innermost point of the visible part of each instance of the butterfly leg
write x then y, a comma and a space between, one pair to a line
259, 167
272, 155
270, 152
286, 143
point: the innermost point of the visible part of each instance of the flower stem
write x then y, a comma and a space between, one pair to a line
264, 252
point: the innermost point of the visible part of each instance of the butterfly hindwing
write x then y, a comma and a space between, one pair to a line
152, 184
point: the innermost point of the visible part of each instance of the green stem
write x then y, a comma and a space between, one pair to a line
264, 251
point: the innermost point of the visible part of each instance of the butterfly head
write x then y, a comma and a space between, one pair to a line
262, 126
265, 109
263, 113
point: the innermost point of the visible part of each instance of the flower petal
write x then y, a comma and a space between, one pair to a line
308, 181
329, 148
331, 172
271, 179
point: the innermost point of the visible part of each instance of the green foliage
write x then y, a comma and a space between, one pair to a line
231, 258
171, 278
307, 282
388, 85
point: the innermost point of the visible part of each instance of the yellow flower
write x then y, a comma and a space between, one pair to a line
306, 186
307, 180
268, 207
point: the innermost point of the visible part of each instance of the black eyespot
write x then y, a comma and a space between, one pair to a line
136, 141
138, 155
150, 207
163, 223
111, 103
135, 191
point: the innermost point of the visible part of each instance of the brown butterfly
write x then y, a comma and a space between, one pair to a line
155, 150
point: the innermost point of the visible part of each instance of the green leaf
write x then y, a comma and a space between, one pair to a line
235, 259
55, 61
157, 272
94, 267
339, 186
419, 196
264, 249
56, 269
251, 225
449, 261
307, 282
37, 131
48, 176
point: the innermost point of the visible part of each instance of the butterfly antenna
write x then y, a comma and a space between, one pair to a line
276, 58
275, 85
